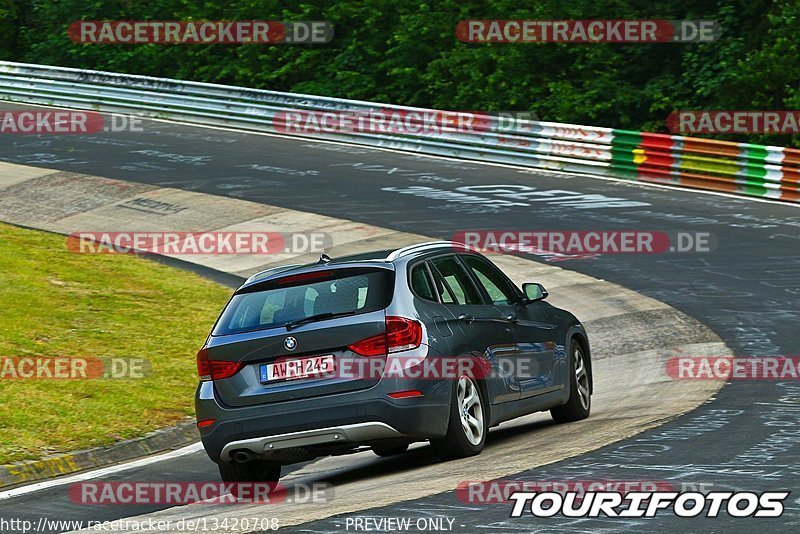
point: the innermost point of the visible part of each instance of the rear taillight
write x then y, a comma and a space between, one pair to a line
372, 346
214, 369
401, 334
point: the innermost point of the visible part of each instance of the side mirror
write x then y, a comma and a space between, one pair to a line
534, 292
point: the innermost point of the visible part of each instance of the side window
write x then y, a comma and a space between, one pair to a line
421, 283
455, 279
493, 281
444, 292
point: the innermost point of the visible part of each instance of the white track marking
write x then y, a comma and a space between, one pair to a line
97, 473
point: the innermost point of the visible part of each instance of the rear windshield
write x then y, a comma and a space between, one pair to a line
293, 297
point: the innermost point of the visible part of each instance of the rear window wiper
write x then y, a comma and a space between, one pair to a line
313, 318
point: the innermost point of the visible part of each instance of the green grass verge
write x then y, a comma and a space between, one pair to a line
57, 303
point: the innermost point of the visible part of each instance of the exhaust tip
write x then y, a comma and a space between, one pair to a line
242, 456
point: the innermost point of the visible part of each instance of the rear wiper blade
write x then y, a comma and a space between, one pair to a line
313, 318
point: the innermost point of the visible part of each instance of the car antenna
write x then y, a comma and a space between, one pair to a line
324, 259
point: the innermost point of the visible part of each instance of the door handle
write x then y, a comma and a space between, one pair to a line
466, 318
513, 319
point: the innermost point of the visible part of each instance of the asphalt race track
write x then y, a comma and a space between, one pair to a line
747, 290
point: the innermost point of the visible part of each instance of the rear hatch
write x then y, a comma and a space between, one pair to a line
289, 336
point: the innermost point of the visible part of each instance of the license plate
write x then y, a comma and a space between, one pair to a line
298, 368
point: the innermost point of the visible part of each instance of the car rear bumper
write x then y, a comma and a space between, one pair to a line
355, 433
312, 424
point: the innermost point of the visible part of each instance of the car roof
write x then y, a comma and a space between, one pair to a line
383, 258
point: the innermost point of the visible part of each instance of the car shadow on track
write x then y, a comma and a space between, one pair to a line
418, 457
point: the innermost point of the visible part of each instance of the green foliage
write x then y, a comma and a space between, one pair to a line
406, 53
10, 19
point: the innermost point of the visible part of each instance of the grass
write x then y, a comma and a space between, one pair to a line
57, 303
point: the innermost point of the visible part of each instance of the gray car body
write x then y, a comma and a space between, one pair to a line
300, 420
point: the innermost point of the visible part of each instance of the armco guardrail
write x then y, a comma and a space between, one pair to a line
754, 170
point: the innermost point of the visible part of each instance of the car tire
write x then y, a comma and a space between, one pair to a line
253, 471
468, 424
580, 398
390, 451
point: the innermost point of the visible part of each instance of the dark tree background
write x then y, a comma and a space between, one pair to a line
406, 53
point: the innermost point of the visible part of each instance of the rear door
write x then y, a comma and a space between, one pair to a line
282, 358
533, 335
480, 328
